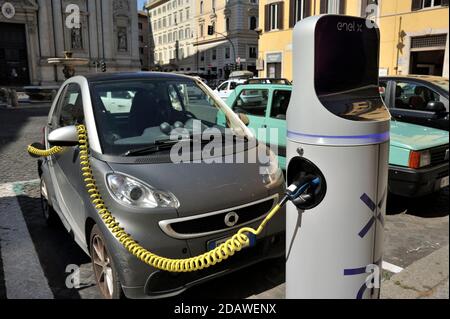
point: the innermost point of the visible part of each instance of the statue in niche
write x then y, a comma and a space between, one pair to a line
122, 39
76, 39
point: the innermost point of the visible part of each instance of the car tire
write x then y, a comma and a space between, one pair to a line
50, 216
105, 273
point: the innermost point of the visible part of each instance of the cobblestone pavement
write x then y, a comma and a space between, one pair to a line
414, 229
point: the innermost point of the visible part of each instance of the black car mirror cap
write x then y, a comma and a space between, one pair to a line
436, 106
65, 136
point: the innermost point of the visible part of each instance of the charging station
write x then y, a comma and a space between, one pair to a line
338, 130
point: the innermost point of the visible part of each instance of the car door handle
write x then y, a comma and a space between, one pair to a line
264, 126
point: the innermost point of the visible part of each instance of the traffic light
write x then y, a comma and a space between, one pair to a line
211, 30
103, 66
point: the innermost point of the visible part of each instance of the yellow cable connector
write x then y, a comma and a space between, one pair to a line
238, 242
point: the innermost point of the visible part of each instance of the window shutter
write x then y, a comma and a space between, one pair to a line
323, 6
416, 5
364, 4
307, 9
267, 18
342, 6
292, 13
280, 15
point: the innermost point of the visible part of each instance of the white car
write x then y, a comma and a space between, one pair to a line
226, 88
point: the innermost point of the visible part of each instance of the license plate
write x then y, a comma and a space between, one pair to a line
213, 244
444, 182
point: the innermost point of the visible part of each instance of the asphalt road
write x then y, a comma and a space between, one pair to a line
37, 261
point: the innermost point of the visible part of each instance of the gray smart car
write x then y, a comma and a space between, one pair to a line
175, 208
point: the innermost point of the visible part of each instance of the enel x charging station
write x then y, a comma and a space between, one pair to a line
338, 130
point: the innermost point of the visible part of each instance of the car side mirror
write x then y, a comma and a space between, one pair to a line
64, 136
436, 107
244, 118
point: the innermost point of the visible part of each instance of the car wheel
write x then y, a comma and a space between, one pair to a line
105, 272
50, 216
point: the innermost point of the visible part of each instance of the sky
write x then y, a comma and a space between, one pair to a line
141, 3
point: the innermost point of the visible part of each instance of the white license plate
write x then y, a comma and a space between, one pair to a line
444, 182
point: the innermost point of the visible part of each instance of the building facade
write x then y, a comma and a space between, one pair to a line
234, 44
172, 32
414, 33
31, 31
145, 42
414, 37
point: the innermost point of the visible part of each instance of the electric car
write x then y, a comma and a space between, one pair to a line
174, 208
418, 155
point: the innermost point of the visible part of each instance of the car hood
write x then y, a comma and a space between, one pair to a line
415, 137
202, 188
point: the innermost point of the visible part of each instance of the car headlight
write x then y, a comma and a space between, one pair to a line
419, 159
133, 193
271, 172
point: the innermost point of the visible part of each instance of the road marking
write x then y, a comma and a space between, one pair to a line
391, 267
23, 273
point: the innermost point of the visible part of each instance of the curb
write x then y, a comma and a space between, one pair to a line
425, 278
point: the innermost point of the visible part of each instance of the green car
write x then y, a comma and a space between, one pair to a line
419, 156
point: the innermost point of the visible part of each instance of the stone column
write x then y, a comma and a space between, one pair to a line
58, 27
46, 41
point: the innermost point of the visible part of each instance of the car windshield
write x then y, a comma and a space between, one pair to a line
134, 114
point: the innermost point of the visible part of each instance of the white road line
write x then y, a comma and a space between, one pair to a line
23, 274
392, 268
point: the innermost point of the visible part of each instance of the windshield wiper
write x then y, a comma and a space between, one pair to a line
155, 148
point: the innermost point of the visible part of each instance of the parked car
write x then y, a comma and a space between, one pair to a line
419, 156
268, 81
226, 88
417, 99
174, 210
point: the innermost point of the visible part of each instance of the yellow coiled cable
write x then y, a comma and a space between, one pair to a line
44, 153
238, 242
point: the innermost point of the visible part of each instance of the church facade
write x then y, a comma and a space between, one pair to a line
32, 31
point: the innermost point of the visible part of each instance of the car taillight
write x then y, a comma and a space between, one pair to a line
419, 159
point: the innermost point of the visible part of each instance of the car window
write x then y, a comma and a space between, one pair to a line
413, 96
280, 104
252, 102
159, 108
117, 101
233, 85
223, 87
71, 107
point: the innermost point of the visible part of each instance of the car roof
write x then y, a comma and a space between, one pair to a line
415, 77
266, 86
120, 76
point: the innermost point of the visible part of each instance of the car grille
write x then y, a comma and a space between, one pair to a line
213, 223
439, 155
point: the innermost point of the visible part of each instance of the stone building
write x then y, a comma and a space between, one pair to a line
145, 42
235, 41
172, 26
31, 31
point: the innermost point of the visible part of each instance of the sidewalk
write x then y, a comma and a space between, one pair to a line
29, 105
427, 278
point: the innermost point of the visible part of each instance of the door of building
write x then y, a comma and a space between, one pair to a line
13, 55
